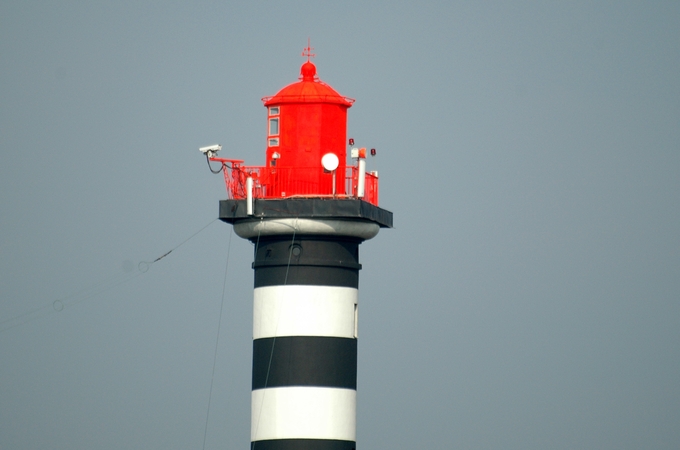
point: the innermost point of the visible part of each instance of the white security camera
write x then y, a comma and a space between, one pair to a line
210, 150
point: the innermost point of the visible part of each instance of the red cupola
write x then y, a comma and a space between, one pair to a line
307, 120
306, 153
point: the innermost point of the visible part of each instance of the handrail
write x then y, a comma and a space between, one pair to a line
294, 182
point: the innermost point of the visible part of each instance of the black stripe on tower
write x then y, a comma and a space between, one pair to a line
305, 361
309, 260
303, 444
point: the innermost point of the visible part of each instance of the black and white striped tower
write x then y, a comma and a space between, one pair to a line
305, 318
306, 219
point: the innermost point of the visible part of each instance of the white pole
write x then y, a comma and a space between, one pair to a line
334, 183
249, 196
361, 185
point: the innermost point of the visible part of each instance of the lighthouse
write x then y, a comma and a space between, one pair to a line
306, 211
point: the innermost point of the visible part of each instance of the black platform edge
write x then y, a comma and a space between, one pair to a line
232, 211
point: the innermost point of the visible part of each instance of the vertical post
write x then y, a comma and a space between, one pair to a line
249, 196
334, 183
361, 182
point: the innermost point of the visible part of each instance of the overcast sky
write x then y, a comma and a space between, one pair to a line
527, 298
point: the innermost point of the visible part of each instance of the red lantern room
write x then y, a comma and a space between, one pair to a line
306, 121
306, 154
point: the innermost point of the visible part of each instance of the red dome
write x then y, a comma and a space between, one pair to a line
309, 90
308, 71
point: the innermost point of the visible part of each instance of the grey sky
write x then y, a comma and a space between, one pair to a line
529, 297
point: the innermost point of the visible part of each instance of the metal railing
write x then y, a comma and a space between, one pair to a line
292, 182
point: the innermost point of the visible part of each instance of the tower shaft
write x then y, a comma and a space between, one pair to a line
305, 317
305, 342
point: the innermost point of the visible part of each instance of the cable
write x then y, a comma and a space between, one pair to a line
61, 303
88, 292
184, 241
271, 354
207, 158
217, 340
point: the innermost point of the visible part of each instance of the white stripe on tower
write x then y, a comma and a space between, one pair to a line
305, 311
304, 412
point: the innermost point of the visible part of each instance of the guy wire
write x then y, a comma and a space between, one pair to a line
271, 354
217, 340
87, 292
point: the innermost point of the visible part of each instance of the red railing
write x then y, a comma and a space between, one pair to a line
291, 182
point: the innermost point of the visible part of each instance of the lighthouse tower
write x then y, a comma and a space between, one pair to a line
306, 211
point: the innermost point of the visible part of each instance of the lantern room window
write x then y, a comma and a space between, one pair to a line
272, 140
274, 126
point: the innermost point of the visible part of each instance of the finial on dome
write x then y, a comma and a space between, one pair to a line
308, 69
308, 51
